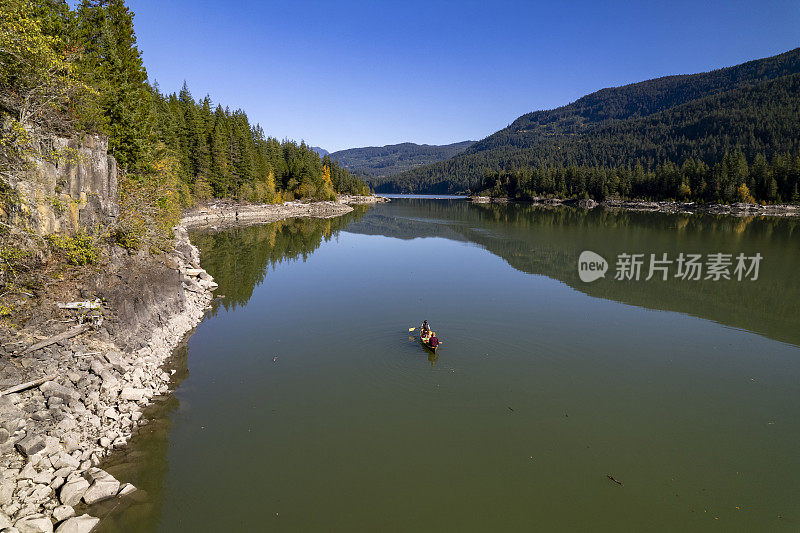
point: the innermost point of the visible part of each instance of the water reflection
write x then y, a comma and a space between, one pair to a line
241, 257
548, 240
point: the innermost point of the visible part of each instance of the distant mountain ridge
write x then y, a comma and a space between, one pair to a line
322, 152
753, 107
377, 163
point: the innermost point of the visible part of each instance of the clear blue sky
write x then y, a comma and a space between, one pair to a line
343, 74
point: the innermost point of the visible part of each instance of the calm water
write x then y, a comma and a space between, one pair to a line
303, 404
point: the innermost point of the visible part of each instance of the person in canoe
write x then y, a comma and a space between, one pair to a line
426, 329
433, 340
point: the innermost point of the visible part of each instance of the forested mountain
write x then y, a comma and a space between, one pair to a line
691, 136
79, 70
322, 152
375, 163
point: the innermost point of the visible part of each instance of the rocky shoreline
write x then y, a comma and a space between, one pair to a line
54, 435
90, 390
737, 209
221, 214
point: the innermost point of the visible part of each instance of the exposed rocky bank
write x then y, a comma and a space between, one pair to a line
53, 436
737, 209
221, 214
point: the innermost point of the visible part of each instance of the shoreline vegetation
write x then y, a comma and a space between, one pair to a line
667, 206
85, 395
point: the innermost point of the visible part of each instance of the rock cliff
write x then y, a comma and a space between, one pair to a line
72, 183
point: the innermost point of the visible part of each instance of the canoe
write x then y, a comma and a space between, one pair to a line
425, 344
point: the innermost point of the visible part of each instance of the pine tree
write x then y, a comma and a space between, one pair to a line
772, 190
112, 63
220, 154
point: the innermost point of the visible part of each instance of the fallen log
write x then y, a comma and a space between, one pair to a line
80, 305
77, 330
90, 354
28, 385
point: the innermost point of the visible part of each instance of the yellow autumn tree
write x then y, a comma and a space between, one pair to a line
327, 191
326, 176
743, 194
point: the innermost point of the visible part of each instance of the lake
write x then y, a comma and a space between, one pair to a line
303, 403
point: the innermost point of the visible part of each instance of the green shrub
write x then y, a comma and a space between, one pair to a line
79, 249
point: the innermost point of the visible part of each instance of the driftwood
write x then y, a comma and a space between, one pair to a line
77, 330
28, 385
80, 305
612, 478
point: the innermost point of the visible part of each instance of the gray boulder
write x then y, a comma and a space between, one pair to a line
30, 445
78, 524
72, 491
131, 394
27, 472
103, 487
66, 461
44, 477
35, 523
53, 389
71, 443
62, 512
126, 489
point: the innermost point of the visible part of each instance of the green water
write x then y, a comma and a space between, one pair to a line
686, 392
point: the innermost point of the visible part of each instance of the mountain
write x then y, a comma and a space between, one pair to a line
751, 109
376, 163
322, 152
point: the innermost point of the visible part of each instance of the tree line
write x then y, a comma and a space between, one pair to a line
733, 179
222, 155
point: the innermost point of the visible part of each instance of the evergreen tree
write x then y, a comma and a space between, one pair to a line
112, 63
